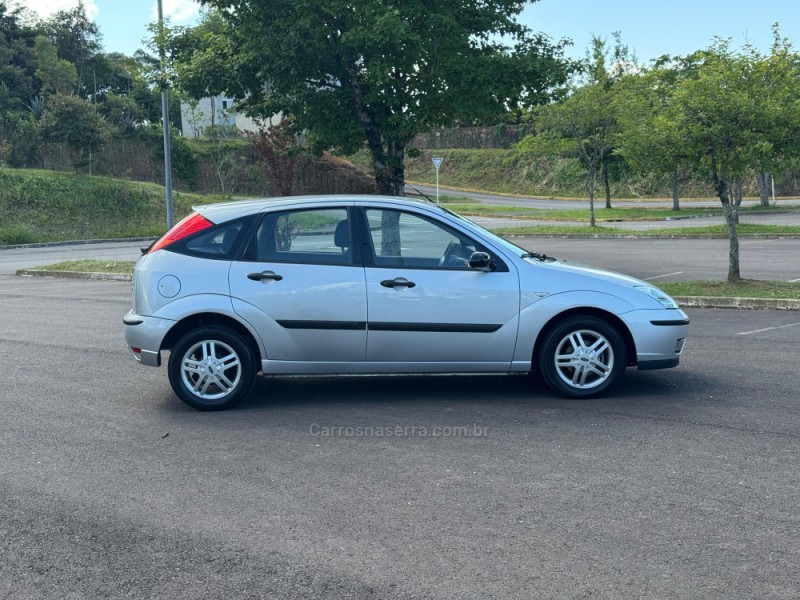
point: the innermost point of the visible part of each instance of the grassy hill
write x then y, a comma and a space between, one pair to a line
499, 170
54, 206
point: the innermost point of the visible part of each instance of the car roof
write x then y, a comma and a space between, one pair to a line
225, 211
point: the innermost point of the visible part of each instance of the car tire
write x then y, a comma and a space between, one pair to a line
582, 357
211, 368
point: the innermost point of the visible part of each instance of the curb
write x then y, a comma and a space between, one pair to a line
683, 301
74, 275
737, 303
76, 243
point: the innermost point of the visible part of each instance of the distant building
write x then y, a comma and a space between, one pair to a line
197, 117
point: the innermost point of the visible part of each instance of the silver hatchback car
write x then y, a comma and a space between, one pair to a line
356, 285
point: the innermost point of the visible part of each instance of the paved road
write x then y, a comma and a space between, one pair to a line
540, 202
663, 260
683, 484
677, 260
21, 258
633, 226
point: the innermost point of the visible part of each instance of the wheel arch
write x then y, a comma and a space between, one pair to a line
207, 319
587, 311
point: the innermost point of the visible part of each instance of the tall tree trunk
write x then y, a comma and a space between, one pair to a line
676, 203
721, 187
390, 171
390, 233
734, 274
738, 193
590, 182
607, 186
388, 159
762, 177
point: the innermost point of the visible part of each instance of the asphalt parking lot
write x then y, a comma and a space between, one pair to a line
682, 484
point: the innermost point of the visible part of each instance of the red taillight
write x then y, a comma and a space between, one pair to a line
192, 224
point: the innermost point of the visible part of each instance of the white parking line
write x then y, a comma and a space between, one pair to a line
665, 275
767, 329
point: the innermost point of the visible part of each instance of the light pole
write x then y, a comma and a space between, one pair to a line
165, 120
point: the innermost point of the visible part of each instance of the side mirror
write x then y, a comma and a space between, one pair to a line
480, 261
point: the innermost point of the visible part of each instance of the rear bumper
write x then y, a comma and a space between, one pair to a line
144, 335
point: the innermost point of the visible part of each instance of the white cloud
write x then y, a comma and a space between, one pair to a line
177, 11
45, 8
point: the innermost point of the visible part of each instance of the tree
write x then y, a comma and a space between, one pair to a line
58, 76
724, 125
206, 58
73, 121
79, 42
648, 138
17, 58
581, 126
354, 71
584, 125
605, 68
776, 81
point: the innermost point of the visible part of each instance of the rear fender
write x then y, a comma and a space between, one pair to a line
207, 304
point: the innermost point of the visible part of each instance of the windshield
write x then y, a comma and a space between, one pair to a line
511, 247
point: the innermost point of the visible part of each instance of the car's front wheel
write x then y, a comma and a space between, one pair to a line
582, 357
211, 368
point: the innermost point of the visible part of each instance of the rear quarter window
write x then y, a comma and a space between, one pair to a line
218, 242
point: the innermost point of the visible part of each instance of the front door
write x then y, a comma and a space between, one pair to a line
426, 305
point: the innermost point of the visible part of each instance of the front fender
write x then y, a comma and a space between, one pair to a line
536, 315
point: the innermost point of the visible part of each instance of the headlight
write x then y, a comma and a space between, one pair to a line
657, 294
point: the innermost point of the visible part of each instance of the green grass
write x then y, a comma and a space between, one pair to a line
47, 206
18, 233
744, 230
581, 215
91, 266
747, 288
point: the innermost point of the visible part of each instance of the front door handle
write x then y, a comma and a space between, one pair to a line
398, 282
265, 275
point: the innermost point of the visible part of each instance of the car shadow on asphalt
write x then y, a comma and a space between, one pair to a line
305, 392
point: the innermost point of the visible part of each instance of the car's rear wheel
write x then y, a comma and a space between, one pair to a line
211, 368
582, 357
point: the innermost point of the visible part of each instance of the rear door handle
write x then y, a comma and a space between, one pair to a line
265, 275
398, 282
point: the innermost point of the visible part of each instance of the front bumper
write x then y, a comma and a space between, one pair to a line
659, 336
144, 336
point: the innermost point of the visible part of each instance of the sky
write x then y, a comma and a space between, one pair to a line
650, 27
122, 23
653, 28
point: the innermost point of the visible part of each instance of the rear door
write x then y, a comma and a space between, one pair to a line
302, 287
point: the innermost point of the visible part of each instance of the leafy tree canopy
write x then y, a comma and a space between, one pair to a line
74, 122
17, 58
58, 76
353, 71
78, 41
